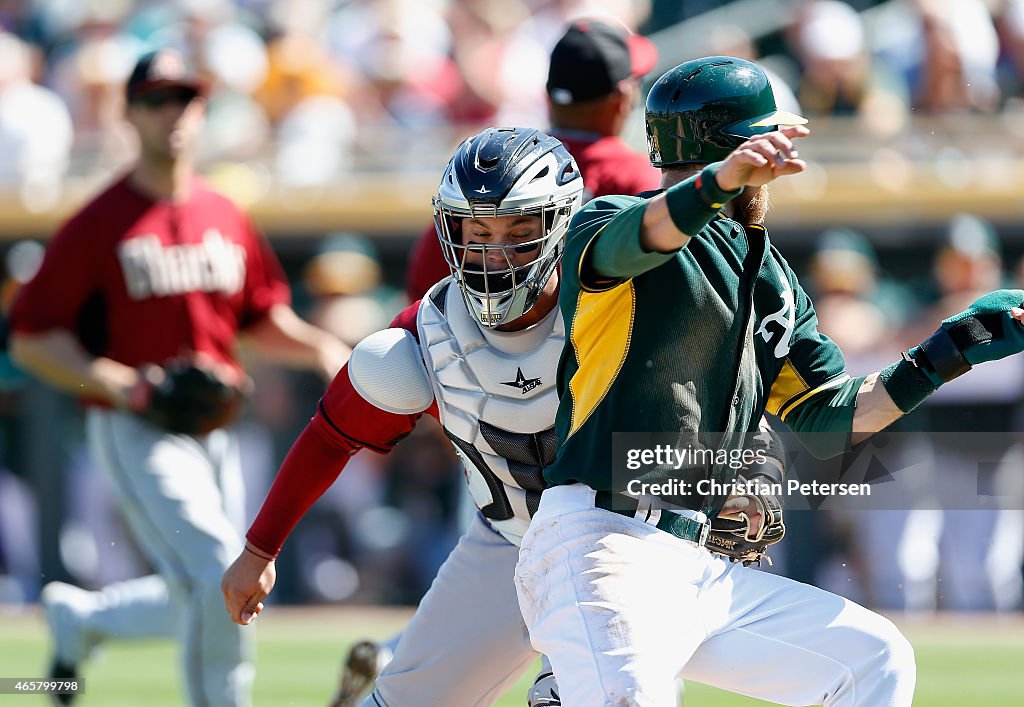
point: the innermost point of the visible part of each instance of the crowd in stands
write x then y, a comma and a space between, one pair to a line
317, 88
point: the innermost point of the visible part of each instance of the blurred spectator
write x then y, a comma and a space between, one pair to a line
186, 25
847, 293
837, 75
315, 142
297, 68
970, 424
401, 49
344, 279
35, 129
230, 57
945, 51
730, 40
306, 94
88, 68
844, 269
236, 64
299, 65
860, 310
503, 70
1010, 26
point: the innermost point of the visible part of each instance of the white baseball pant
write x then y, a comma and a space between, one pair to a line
183, 499
467, 643
621, 608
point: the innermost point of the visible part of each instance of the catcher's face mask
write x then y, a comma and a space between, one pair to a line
501, 214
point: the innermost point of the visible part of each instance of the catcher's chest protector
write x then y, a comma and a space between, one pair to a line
497, 400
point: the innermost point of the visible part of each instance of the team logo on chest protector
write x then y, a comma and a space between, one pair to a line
522, 382
784, 318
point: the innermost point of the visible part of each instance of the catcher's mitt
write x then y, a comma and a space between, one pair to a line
187, 399
733, 538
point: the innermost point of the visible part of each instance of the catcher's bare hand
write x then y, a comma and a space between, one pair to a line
762, 158
248, 581
746, 509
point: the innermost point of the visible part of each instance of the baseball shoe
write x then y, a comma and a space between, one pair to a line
544, 692
362, 666
65, 606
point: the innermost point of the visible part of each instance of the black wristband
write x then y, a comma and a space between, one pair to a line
942, 355
906, 384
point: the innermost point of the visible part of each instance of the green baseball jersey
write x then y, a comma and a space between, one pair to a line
689, 343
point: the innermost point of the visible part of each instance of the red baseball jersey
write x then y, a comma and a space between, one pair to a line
141, 280
608, 166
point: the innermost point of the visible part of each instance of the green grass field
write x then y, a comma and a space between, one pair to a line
962, 660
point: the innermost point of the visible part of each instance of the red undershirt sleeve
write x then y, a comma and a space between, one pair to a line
344, 423
310, 468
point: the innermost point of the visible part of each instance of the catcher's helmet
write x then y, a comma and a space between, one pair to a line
506, 172
703, 109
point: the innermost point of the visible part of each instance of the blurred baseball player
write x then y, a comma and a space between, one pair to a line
684, 320
593, 84
136, 309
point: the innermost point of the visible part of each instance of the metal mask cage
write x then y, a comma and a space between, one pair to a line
502, 291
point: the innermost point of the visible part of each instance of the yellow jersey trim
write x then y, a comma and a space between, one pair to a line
788, 384
789, 407
600, 336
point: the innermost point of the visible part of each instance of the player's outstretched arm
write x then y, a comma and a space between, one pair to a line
991, 329
374, 402
312, 465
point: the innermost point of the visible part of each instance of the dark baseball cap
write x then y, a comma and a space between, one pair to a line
160, 69
592, 57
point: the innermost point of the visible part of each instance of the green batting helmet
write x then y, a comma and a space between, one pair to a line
703, 109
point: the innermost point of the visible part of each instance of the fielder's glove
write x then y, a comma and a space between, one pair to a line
733, 537
185, 398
